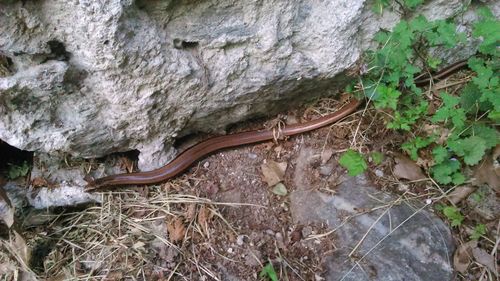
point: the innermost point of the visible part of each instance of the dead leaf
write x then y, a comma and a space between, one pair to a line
6, 209
460, 193
443, 133
190, 212
482, 257
176, 229
431, 129
407, 169
326, 154
126, 164
19, 246
273, 172
463, 256
488, 171
138, 245
203, 218
296, 235
114, 275
340, 132
39, 182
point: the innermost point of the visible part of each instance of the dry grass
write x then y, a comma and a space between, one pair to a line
131, 235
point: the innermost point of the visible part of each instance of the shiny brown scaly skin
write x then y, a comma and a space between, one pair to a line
425, 79
198, 151
202, 149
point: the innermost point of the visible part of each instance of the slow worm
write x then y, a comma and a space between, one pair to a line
198, 151
202, 149
424, 79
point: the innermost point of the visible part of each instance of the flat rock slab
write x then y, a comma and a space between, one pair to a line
379, 236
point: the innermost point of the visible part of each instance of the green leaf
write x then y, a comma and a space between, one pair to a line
379, 5
443, 33
494, 115
419, 23
387, 97
470, 99
477, 196
487, 29
472, 149
399, 122
377, 157
492, 96
454, 215
457, 178
487, 81
409, 117
440, 154
403, 35
444, 171
447, 34
16, 171
412, 3
478, 231
268, 272
490, 136
412, 147
354, 162
484, 74
382, 37
433, 62
449, 111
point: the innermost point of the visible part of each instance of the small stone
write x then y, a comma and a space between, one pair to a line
379, 173
284, 206
306, 231
403, 187
318, 278
240, 240
326, 169
280, 240
280, 189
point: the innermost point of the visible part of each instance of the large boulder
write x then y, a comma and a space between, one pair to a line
89, 78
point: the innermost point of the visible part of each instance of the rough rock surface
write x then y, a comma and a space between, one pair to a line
90, 78
397, 240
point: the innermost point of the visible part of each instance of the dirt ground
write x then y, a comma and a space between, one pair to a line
220, 220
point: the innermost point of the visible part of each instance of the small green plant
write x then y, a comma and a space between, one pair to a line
268, 272
377, 157
411, 147
16, 171
478, 196
478, 231
463, 122
454, 215
353, 161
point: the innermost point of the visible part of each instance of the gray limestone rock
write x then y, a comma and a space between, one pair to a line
377, 236
89, 78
